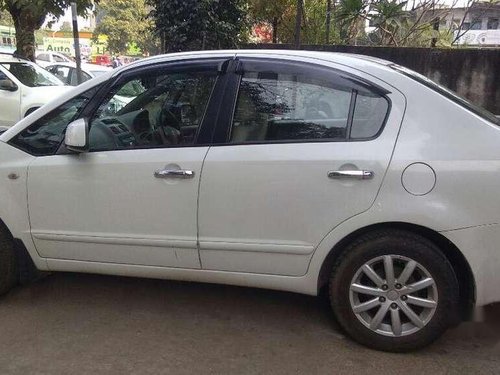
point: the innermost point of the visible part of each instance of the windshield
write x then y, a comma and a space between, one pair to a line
32, 75
480, 111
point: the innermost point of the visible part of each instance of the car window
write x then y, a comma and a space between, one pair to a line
32, 75
58, 58
43, 57
288, 106
370, 110
152, 110
45, 135
61, 72
74, 79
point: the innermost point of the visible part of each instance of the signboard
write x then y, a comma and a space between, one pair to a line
66, 45
63, 45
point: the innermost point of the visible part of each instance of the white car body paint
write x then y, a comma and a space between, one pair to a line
15, 105
460, 147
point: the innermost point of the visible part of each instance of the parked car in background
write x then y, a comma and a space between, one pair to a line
66, 71
291, 170
104, 60
24, 87
45, 58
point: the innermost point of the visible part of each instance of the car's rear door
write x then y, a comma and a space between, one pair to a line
305, 148
133, 198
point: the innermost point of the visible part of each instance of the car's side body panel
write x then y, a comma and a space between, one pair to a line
14, 208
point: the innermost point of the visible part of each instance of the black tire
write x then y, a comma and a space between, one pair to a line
30, 111
8, 262
400, 243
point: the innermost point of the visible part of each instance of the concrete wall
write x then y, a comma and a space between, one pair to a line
472, 73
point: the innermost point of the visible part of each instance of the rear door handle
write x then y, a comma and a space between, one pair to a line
357, 175
174, 173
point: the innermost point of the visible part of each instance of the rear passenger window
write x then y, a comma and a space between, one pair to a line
276, 105
370, 110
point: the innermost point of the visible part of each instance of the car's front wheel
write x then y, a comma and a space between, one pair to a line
393, 290
8, 262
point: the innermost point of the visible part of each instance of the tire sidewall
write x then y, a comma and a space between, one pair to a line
420, 250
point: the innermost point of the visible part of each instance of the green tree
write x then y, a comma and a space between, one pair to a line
125, 22
351, 15
199, 24
273, 13
5, 18
29, 15
66, 27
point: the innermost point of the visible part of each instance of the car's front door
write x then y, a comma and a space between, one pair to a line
306, 149
10, 102
131, 199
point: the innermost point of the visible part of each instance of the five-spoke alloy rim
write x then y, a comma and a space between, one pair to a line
393, 295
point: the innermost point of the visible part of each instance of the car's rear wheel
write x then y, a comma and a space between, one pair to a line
393, 290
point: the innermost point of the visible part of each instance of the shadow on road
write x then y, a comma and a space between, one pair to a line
75, 323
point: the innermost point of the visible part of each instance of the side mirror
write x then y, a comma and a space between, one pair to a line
77, 136
8, 85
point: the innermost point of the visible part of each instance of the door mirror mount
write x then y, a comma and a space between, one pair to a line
77, 136
8, 85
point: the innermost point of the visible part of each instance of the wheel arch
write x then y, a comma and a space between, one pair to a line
461, 267
27, 271
31, 110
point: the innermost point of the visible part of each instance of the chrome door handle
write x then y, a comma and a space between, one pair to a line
174, 173
357, 175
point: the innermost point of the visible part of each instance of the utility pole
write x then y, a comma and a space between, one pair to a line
76, 41
298, 23
328, 20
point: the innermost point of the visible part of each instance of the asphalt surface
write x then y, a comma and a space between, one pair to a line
90, 324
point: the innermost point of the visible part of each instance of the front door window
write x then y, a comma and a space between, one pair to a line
152, 110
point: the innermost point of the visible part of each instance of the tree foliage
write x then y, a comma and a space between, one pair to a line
125, 22
372, 22
66, 27
5, 18
276, 14
29, 15
199, 24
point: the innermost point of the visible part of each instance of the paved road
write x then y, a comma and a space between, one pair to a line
89, 324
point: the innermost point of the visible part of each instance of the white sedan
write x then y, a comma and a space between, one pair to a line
66, 71
290, 170
24, 87
45, 58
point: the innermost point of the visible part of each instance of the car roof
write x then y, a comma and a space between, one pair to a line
340, 57
85, 67
50, 53
6, 57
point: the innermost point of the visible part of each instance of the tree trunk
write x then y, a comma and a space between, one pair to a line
298, 23
25, 26
25, 40
275, 30
328, 20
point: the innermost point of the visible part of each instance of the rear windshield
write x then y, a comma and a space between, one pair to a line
480, 111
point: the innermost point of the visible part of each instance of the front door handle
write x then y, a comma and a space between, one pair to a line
174, 173
353, 174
